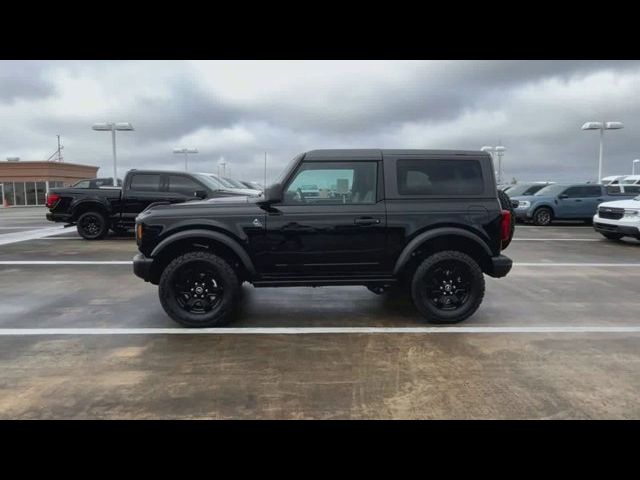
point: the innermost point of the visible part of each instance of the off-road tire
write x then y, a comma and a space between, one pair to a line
224, 274
542, 216
505, 204
92, 225
420, 291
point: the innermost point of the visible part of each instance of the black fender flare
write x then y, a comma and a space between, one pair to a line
97, 204
213, 235
414, 244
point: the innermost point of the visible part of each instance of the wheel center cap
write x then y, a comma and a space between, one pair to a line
199, 290
447, 288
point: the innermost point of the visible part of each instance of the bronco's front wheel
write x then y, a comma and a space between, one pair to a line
447, 287
199, 289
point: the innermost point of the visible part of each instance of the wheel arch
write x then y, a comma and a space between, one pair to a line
200, 239
89, 206
440, 239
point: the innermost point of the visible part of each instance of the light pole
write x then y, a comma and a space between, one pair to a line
499, 151
633, 166
222, 164
602, 126
112, 127
186, 152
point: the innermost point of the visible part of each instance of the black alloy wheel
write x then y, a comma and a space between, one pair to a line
447, 287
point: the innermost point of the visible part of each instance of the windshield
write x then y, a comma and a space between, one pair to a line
234, 183
523, 189
210, 182
550, 190
223, 183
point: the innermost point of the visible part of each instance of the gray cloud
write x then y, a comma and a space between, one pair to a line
239, 110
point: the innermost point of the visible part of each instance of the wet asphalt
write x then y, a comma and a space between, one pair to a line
338, 375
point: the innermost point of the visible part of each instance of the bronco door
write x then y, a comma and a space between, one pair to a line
331, 221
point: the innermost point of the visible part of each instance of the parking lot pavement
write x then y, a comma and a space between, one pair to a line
18, 219
346, 375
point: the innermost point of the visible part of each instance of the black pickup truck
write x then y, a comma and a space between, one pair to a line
96, 210
429, 223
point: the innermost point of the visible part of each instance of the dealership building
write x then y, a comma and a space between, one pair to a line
24, 183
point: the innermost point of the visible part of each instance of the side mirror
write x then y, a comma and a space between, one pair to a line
273, 193
200, 194
562, 196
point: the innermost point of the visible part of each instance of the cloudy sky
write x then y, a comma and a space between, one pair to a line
238, 110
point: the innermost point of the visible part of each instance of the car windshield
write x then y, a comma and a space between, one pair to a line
210, 182
221, 181
550, 190
518, 189
234, 183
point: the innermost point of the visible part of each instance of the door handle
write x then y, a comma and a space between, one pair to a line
578, 200
366, 221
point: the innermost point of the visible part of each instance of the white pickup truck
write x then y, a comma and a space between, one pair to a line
618, 219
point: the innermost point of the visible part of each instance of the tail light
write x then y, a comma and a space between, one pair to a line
505, 225
52, 199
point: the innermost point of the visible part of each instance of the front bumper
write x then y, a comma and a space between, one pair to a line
605, 227
142, 266
500, 266
522, 213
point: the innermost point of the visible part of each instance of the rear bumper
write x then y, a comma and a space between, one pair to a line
142, 266
500, 266
58, 217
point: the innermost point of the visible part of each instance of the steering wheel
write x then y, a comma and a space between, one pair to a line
299, 196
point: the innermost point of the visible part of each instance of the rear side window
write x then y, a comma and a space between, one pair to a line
183, 185
439, 177
145, 182
592, 191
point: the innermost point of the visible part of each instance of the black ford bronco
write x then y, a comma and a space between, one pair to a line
425, 222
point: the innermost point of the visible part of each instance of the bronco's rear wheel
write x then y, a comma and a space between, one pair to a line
199, 289
92, 225
447, 287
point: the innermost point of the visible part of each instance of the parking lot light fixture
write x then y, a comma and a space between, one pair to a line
499, 151
186, 152
112, 127
602, 126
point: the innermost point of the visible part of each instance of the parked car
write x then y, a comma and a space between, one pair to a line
232, 186
618, 219
631, 180
252, 185
96, 183
524, 189
422, 221
612, 180
96, 210
564, 201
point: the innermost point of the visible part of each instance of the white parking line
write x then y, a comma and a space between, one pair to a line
308, 330
8, 238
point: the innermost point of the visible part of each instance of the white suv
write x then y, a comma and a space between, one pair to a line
618, 219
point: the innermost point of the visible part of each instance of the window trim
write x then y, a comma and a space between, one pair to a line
294, 174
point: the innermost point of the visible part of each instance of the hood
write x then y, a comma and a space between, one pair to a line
248, 192
622, 204
230, 200
528, 198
